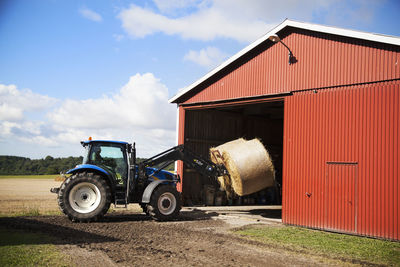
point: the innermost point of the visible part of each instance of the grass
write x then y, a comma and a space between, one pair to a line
47, 176
29, 212
353, 249
19, 248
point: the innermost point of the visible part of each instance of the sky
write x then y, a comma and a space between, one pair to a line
106, 69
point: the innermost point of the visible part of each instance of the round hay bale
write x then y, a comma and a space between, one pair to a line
248, 163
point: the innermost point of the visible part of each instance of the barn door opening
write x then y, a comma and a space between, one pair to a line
215, 125
340, 202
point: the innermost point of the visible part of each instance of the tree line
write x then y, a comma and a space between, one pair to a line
12, 165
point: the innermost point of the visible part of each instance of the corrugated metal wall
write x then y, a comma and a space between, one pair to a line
341, 159
323, 61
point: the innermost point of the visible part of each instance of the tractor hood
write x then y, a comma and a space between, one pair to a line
87, 166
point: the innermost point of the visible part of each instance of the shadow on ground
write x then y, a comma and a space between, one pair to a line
58, 234
192, 215
269, 214
62, 231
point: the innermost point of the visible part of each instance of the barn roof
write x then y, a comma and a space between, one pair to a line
374, 37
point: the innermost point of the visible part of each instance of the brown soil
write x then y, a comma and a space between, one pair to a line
130, 238
134, 240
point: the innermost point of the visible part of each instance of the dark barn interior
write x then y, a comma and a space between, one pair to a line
210, 127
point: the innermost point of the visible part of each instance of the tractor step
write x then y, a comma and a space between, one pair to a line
120, 204
120, 199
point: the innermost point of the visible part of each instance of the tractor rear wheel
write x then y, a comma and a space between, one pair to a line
165, 203
84, 197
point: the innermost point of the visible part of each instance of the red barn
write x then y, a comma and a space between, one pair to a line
325, 103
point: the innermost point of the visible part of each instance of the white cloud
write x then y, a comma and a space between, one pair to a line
20, 129
172, 5
142, 102
208, 57
42, 140
6, 128
138, 112
205, 24
241, 20
14, 102
10, 113
90, 14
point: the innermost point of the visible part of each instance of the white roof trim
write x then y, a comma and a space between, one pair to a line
393, 40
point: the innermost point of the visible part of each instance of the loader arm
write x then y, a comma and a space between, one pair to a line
203, 166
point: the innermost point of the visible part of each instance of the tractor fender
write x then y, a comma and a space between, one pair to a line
87, 167
150, 188
90, 167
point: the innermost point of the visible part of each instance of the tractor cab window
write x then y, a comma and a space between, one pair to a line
110, 157
86, 156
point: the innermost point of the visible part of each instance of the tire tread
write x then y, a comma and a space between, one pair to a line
77, 178
152, 208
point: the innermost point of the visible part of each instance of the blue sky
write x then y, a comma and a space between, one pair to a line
74, 69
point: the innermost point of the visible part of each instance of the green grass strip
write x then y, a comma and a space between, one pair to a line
47, 176
18, 248
332, 245
30, 212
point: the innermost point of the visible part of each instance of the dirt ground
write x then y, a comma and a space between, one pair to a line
130, 238
21, 195
134, 240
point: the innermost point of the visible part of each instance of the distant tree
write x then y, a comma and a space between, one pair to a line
12, 165
48, 158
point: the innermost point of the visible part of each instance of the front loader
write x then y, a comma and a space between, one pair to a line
110, 174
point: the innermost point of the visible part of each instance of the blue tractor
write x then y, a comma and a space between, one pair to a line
110, 174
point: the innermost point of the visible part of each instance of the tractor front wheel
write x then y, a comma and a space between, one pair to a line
165, 203
84, 197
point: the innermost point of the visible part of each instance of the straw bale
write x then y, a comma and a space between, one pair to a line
248, 163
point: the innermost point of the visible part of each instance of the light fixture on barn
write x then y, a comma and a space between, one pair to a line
275, 38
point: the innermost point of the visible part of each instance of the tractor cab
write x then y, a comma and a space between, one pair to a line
111, 156
112, 159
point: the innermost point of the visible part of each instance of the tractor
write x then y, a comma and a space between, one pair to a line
110, 173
